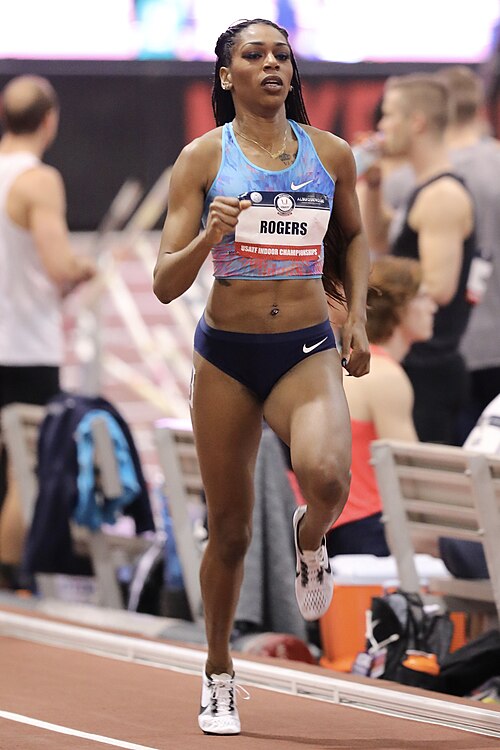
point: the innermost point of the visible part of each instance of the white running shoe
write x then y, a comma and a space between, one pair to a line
218, 712
313, 575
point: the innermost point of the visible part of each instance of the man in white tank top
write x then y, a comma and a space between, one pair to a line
38, 266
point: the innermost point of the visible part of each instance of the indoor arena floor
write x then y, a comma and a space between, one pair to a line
65, 699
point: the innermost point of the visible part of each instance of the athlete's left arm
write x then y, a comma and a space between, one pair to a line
337, 157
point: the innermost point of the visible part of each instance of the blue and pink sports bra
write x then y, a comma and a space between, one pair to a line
281, 234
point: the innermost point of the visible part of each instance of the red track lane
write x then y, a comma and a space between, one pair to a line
157, 708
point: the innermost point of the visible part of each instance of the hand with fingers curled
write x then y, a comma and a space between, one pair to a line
355, 348
223, 217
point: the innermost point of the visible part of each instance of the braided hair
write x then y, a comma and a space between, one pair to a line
223, 108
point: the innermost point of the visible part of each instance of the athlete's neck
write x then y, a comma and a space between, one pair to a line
462, 136
11, 144
429, 158
267, 131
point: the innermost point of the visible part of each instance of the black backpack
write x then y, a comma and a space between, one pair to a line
399, 625
469, 667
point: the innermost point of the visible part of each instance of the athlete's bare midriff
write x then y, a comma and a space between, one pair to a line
245, 305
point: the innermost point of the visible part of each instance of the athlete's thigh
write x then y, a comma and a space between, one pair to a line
227, 424
308, 410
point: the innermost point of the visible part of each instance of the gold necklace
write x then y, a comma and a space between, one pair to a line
274, 155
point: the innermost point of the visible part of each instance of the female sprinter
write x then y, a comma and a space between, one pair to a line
261, 185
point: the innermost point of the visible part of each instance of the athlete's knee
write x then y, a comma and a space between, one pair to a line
326, 482
230, 541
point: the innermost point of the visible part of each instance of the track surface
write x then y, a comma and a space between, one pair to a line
122, 704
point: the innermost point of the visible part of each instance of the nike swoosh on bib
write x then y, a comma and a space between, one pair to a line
306, 349
300, 185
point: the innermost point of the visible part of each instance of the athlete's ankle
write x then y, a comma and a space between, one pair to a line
219, 667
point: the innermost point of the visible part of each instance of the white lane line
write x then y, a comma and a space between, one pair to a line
72, 732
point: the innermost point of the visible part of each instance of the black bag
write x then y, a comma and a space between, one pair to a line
472, 665
399, 626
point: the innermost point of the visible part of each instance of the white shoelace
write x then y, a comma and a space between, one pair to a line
313, 565
222, 698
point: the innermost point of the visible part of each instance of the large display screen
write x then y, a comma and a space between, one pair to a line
336, 30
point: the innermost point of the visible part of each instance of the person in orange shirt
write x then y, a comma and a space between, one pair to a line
400, 312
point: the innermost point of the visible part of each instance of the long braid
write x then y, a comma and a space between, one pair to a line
335, 243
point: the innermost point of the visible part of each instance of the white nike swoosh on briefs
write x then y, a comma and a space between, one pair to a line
306, 349
300, 185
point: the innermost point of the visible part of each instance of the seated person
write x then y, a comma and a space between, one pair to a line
400, 312
485, 437
462, 558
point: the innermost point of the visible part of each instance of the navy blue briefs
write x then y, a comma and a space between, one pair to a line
259, 360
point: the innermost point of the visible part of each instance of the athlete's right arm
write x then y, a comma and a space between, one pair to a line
41, 192
375, 213
183, 247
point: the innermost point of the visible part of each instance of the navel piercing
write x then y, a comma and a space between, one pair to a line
275, 310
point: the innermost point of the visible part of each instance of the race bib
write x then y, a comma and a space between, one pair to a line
282, 226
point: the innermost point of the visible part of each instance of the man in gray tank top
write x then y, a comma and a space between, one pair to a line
476, 157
